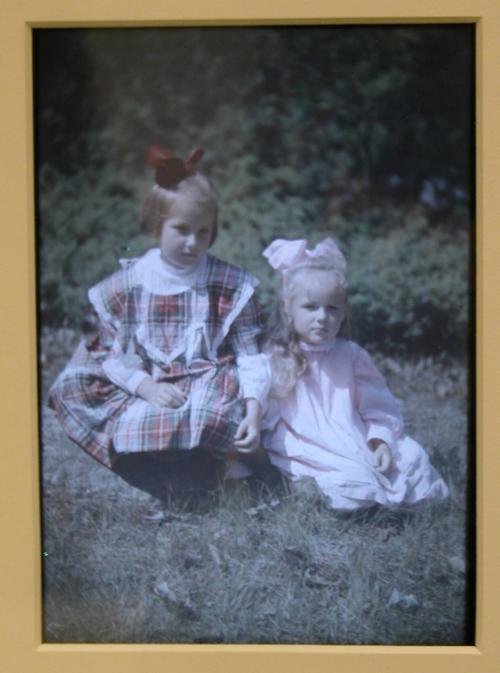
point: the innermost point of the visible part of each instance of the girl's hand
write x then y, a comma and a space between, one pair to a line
161, 394
247, 435
382, 458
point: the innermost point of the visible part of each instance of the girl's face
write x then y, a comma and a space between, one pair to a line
317, 307
186, 233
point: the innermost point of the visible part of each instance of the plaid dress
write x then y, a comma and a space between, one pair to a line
189, 339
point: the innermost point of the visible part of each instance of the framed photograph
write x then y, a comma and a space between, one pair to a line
388, 148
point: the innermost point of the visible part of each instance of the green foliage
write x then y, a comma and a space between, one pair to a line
410, 290
308, 132
86, 222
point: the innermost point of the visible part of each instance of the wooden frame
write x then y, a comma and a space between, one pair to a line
21, 649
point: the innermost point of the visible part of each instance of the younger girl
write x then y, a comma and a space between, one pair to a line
168, 375
331, 416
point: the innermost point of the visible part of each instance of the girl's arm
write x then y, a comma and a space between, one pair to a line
375, 403
126, 370
246, 329
112, 345
253, 372
254, 376
255, 379
242, 340
248, 434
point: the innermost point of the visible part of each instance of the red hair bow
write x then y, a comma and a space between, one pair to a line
170, 170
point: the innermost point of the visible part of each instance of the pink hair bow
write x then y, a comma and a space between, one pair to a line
283, 254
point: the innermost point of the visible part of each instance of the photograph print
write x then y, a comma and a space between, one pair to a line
255, 294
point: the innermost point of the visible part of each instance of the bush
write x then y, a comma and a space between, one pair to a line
86, 222
409, 290
408, 283
306, 136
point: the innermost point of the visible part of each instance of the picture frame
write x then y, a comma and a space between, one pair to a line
21, 646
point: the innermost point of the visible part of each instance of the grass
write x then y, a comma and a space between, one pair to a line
257, 564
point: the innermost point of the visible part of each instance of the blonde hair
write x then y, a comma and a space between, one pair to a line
281, 343
160, 201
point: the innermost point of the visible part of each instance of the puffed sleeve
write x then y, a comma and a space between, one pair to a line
374, 401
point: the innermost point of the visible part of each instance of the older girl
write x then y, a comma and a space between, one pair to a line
167, 378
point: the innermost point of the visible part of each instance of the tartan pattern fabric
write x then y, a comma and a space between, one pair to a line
189, 339
210, 422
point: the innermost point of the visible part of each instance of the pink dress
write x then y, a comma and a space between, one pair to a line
321, 431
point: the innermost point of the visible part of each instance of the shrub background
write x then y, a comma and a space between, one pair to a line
362, 133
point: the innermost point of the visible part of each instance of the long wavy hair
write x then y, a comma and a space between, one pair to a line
281, 342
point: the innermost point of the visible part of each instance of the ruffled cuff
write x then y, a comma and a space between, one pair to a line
255, 376
380, 432
125, 377
135, 381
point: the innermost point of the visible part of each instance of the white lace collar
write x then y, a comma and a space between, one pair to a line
318, 348
159, 277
